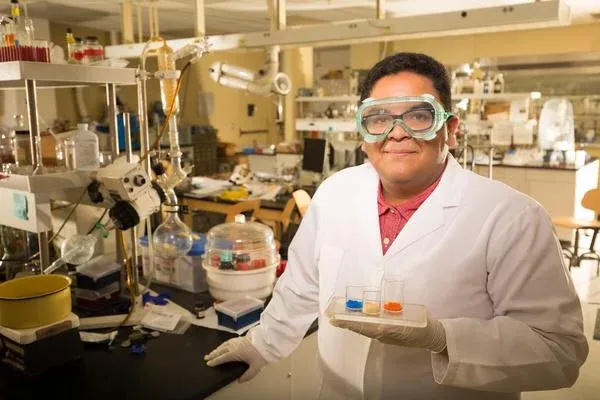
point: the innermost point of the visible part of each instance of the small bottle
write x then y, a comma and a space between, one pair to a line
86, 149
499, 83
70, 39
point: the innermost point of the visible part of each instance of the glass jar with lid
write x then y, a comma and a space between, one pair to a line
94, 51
240, 246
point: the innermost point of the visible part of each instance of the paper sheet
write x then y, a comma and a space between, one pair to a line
208, 186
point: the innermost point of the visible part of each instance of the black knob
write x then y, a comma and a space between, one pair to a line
139, 180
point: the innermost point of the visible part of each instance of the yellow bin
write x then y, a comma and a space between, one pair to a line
34, 301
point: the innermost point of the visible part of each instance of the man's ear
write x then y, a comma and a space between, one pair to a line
452, 130
363, 146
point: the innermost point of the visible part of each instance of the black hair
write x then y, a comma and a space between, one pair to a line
417, 63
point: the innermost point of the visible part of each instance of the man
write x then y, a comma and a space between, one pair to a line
483, 259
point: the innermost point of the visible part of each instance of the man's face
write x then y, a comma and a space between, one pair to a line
401, 159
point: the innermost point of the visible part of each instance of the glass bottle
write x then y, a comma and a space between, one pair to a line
86, 149
70, 40
14, 245
7, 155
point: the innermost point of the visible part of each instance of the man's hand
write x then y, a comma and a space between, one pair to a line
432, 337
238, 349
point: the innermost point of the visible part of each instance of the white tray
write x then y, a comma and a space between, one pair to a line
412, 315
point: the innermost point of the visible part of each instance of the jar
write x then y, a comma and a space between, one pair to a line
77, 52
94, 51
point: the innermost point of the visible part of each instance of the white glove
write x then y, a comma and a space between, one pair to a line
238, 349
432, 337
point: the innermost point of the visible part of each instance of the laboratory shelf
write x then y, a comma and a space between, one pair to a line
327, 99
492, 96
326, 125
45, 183
14, 74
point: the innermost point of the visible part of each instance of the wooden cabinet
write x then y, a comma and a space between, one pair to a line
559, 191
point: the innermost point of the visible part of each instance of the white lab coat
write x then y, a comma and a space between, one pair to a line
482, 257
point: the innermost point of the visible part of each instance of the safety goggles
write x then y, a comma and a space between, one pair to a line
421, 117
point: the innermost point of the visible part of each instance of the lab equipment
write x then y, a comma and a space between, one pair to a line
240, 259
393, 295
421, 117
354, 297
98, 273
172, 238
184, 272
133, 194
86, 149
313, 156
36, 350
264, 82
371, 301
238, 313
76, 250
34, 301
556, 128
412, 315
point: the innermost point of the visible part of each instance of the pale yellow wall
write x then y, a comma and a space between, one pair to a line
298, 64
458, 49
230, 105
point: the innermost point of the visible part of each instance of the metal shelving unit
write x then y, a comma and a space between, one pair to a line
492, 96
35, 192
326, 124
340, 124
328, 99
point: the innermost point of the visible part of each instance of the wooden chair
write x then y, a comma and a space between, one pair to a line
302, 199
281, 225
591, 201
243, 207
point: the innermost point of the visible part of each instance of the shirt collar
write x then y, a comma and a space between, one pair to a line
410, 205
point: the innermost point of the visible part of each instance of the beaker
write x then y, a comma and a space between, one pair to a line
371, 301
354, 293
393, 295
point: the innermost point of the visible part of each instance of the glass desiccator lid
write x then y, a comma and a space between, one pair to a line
240, 235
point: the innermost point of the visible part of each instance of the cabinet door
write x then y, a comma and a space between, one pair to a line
273, 382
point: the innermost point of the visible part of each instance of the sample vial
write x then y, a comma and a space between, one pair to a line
393, 295
354, 295
371, 302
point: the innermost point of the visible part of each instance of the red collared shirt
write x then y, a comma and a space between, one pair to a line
393, 218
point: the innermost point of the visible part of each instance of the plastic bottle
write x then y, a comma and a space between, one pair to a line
70, 39
86, 149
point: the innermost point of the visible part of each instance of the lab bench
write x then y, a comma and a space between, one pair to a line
173, 367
